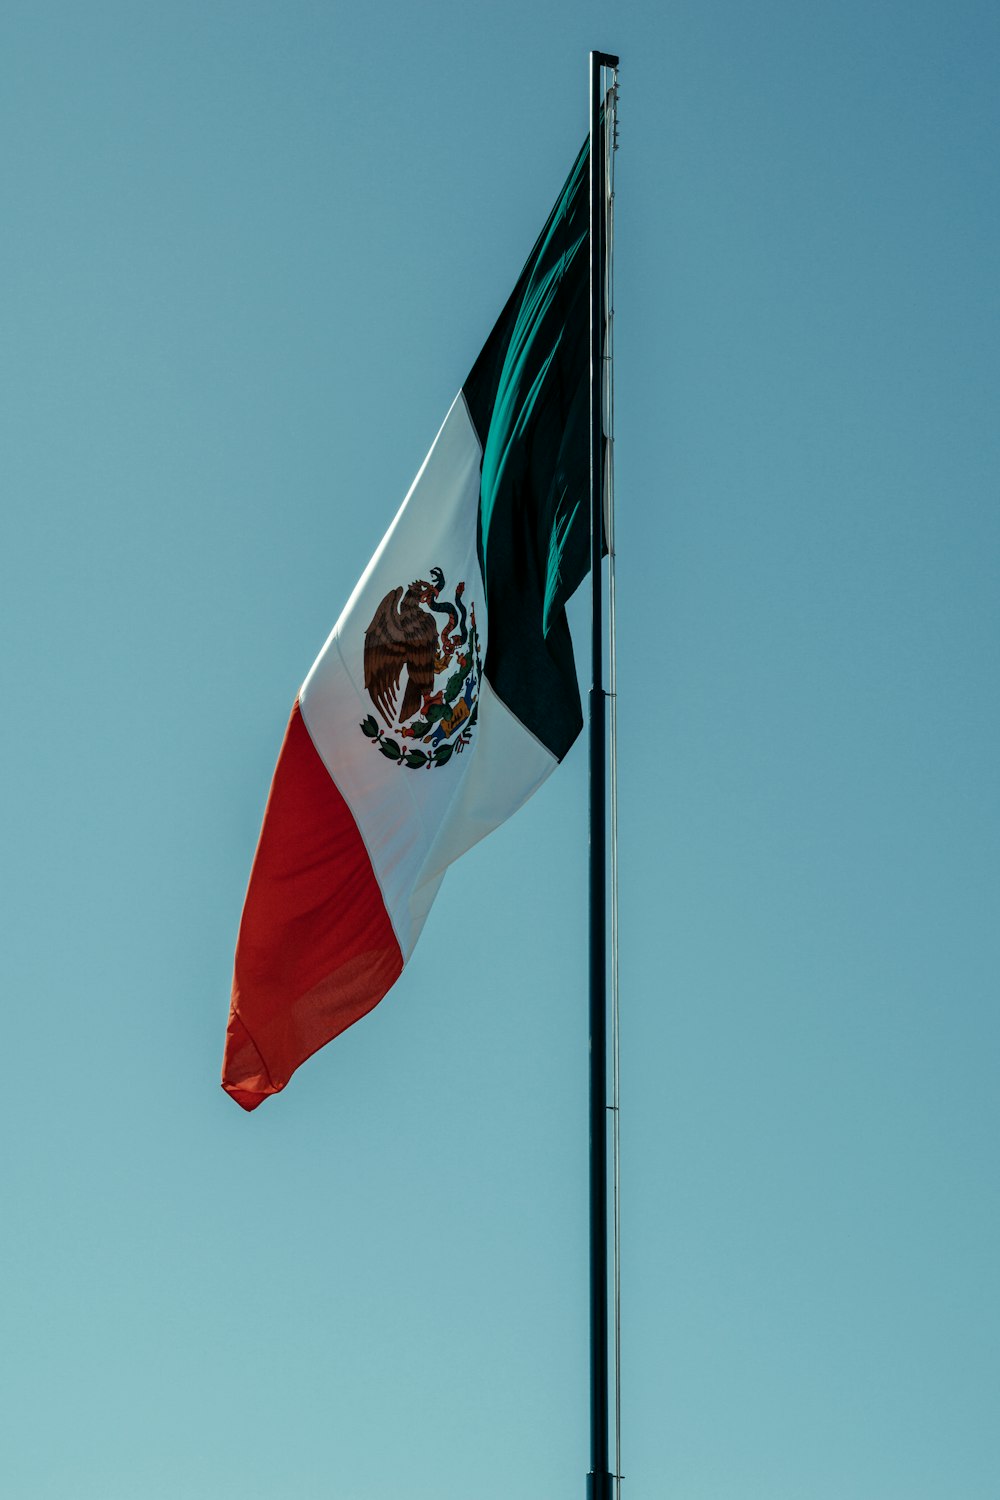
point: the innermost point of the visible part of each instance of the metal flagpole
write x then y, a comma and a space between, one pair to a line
599, 1486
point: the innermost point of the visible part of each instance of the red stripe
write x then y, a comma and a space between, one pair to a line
316, 949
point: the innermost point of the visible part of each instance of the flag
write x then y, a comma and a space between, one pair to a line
446, 692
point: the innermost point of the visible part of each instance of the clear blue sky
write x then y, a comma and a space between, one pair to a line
249, 253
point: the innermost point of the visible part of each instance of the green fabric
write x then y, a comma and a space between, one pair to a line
528, 395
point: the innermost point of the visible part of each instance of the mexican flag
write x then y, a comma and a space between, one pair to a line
446, 692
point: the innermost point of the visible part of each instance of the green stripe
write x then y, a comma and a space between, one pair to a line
528, 398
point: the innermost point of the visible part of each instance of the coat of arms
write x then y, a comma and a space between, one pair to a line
435, 713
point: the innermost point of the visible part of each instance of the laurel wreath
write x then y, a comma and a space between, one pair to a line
439, 756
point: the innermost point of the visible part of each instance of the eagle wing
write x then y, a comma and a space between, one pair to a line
385, 654
395, 640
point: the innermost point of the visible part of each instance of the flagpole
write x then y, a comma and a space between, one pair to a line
599, 1483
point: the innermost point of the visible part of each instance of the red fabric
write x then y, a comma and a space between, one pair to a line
316, 949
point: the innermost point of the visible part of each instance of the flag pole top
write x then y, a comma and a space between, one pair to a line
604, 59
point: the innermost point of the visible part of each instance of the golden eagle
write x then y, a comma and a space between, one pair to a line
400, 635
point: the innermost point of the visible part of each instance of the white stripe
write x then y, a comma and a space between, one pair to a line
416, 822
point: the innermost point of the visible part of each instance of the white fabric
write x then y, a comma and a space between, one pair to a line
415, 822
